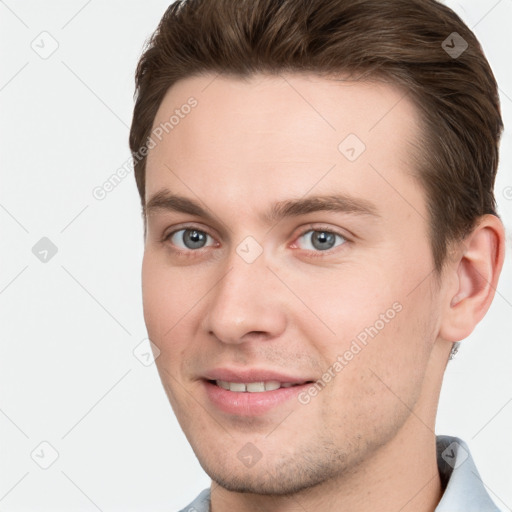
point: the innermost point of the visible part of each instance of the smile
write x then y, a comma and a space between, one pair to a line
253, 387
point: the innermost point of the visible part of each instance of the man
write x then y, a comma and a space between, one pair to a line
317, 180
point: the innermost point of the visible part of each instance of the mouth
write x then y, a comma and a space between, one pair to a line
255, 387
250, 397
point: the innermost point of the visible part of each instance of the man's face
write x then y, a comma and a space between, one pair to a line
343, 298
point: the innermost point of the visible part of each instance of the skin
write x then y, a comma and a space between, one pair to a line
367, 439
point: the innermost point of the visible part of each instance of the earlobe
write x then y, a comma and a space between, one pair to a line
477, 271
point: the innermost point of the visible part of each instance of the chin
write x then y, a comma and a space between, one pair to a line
269, 486
285, 478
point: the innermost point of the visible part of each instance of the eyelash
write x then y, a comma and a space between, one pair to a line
314, 254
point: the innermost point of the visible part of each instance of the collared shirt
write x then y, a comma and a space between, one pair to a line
464, 490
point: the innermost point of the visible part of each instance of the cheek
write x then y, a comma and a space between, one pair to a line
379, 381
379, 331
171, 305
393, 362
155, 304
343, 304
163, 297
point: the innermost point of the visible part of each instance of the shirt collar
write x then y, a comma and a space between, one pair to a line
463, 487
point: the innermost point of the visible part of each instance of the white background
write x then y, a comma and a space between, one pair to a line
68, 327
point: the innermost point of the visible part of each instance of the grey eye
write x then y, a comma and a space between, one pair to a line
321, 240
189, 238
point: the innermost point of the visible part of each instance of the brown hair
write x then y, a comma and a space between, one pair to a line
405, 42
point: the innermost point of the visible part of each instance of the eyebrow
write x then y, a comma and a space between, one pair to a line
343, 203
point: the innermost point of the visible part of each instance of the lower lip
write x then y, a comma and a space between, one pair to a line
247, 403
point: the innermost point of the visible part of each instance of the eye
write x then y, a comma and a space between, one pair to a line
188, 238
191, 239
321, 239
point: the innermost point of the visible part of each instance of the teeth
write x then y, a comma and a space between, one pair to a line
270, 385
222, 384
237, 386
253, 387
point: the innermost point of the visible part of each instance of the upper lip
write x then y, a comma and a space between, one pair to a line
252, 375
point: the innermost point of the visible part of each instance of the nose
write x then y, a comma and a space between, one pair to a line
247, 303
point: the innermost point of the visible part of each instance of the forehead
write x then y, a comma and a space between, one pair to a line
278, 136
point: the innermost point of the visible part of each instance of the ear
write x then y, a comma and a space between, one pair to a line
473, 275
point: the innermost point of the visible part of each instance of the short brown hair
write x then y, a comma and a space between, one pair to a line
404, 42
